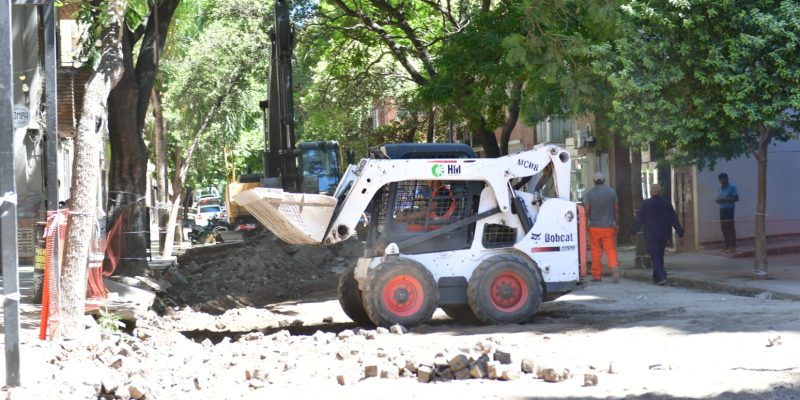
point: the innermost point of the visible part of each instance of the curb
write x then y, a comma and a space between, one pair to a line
644, 275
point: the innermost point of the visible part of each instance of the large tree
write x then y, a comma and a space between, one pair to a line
711, 79
402, 39
143, 40
109, 22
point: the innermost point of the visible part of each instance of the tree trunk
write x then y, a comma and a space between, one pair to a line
182, 170
511, 120
431, 126
128, 105
160, 146
761, 204
160, 150
636, 177
487, 138
622, 184
83, 193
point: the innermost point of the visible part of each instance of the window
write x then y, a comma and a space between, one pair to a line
554, 130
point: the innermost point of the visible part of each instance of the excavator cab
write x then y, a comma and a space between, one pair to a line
320, 161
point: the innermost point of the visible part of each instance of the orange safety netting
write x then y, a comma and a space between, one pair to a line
104, 255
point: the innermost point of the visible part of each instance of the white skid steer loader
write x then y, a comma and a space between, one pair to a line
451, 233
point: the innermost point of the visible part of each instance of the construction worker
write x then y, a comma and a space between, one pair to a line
658, 217
602, 206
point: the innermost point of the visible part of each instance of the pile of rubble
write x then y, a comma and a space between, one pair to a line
483, 361
254, 273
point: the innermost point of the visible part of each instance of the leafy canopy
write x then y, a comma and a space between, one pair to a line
703, 78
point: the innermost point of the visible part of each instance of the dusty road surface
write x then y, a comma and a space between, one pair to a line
638, 340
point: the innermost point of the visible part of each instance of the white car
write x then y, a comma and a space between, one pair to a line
206, 212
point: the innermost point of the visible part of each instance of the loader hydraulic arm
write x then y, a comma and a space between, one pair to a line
372, 174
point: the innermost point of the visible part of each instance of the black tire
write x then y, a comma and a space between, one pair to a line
350, 297
400, 291
460, 312
505, 289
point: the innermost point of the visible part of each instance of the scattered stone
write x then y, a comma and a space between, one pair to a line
440, 362
528, 366
389, 373
459, 363
255, 383
589, 380
345, 334
342, 355
424, 373
398, 329
774, 341
509, 375
371, 371
493, 370
551, 375
446, 375
381, 330
136, 390
477, 371
411, 365
502, 357
462, 374
340, 379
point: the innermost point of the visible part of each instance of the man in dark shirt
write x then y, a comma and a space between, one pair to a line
728, 196
658, 218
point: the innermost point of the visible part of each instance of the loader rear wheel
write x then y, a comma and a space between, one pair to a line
460, 312
350, 297
400, 291
505, 289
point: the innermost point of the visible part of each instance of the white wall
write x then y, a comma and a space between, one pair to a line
783, 193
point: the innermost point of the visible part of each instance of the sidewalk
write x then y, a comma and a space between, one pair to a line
713, 271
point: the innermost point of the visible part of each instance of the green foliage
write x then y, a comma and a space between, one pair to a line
110, 322
219, 49
702, 78
558, 41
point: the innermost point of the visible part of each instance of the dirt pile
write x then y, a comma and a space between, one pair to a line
260, 271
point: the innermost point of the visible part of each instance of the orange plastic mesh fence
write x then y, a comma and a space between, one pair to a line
55, 233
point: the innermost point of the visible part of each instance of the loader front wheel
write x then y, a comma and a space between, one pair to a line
400, 291
350, 297
504, 289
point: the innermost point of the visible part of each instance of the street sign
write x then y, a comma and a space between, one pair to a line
21, 116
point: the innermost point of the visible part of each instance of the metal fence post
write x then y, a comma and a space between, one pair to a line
8, 204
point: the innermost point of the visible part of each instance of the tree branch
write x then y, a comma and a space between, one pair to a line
401, 22
513, 116
396, 50
445, 12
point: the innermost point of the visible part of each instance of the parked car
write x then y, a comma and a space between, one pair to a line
206, 212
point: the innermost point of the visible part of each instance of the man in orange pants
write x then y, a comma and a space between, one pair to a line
602, 206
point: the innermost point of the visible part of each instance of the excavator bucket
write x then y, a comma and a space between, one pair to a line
297, 218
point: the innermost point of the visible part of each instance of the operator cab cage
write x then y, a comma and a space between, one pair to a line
408, 151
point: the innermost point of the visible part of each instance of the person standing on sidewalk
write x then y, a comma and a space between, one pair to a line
728, 196
602, 206
658, 217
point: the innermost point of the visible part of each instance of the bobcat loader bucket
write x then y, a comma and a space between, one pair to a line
297, 218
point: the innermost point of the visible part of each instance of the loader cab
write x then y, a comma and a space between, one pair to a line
400, 211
